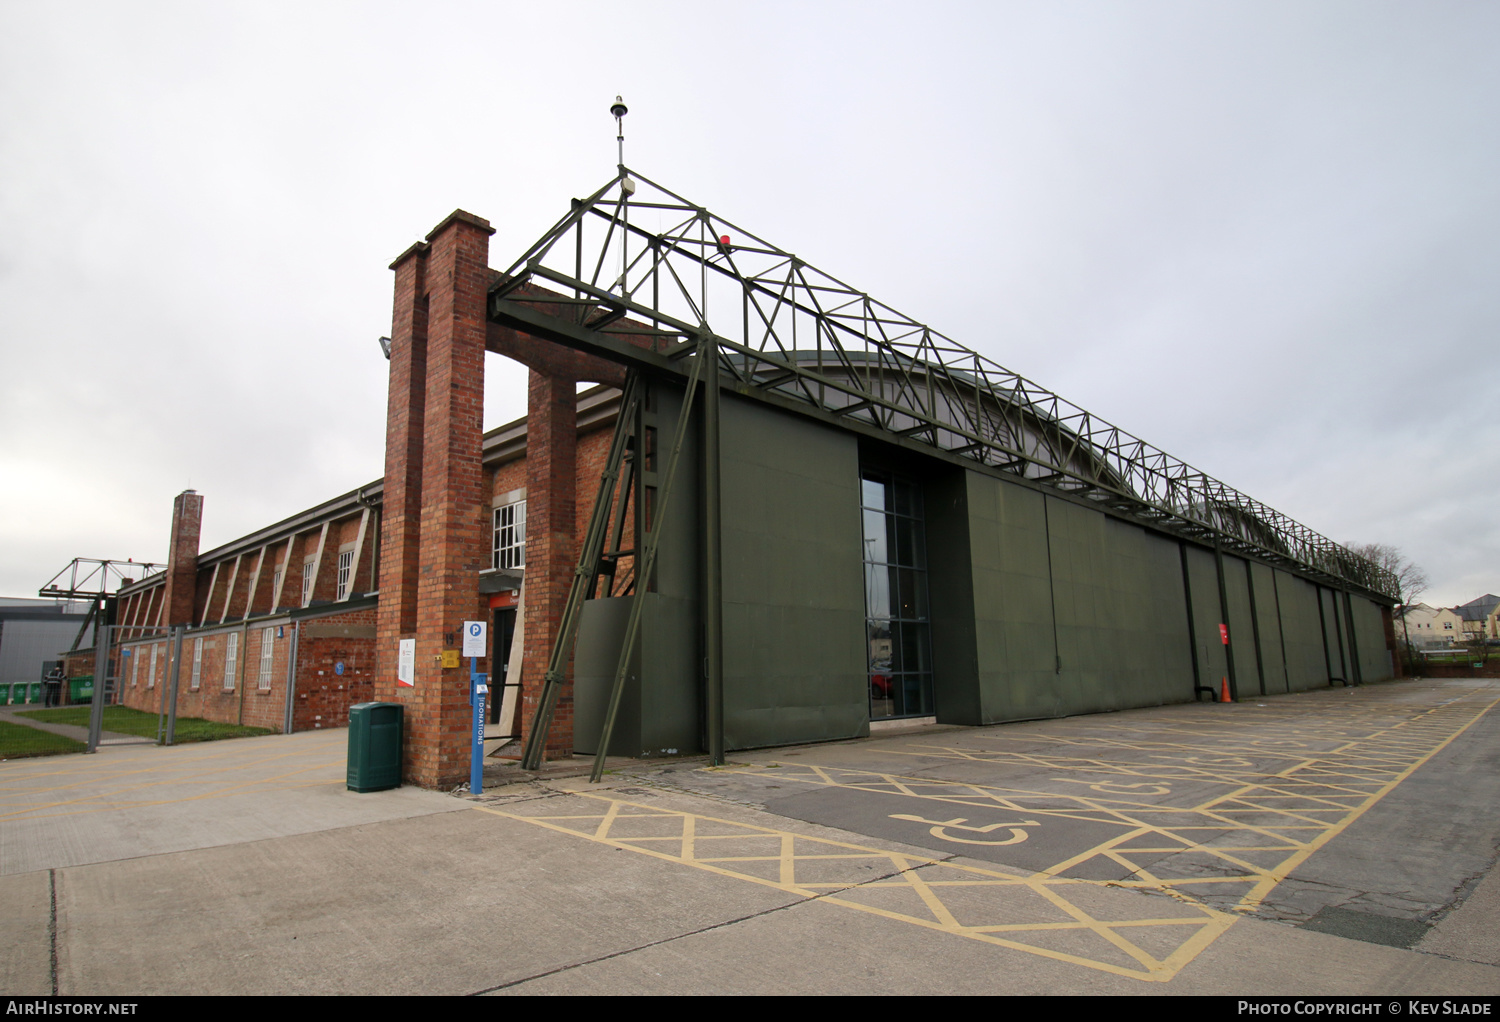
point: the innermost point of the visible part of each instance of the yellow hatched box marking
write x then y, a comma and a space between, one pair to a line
1246, 838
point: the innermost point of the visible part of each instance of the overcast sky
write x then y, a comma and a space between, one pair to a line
1262, 236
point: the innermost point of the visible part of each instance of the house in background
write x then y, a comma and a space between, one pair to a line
1429, 627
1481, 617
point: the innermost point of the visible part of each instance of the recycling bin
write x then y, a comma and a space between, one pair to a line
374, 746
81, 689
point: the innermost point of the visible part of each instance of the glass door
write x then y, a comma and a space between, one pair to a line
896, 619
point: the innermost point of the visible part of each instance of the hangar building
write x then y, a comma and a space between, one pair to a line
785, 510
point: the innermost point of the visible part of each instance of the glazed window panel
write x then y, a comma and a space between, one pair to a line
267, 652
510, 536
346, 570
231, 658
896, 606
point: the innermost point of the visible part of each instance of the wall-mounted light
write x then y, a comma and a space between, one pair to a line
385, 348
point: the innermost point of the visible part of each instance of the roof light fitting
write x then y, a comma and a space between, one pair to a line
618, 111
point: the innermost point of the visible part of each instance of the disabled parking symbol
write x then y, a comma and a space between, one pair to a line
939, 829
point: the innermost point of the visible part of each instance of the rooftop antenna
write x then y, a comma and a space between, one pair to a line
627, 188
618, 111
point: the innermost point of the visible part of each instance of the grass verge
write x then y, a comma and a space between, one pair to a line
18, 741
126, 721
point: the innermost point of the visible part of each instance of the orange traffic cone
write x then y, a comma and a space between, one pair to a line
1224, 689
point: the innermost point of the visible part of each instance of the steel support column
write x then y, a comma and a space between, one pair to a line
168, 735
713, 565
1228, 641
583, 582
103, 632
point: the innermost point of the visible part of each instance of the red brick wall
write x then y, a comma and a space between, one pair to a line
507, 477
238, 593
1491, 669
323, 696
212, 701
80, 664
145, 693
401, 503
200, 596
551, 551
258, 591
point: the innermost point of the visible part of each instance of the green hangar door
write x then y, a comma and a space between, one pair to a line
898, 635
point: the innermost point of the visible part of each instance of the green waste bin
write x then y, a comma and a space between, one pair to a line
4, 694
36, 692
81, 689
374, 746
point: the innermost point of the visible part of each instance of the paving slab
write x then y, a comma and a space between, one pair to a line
129, 801
887, 865
447, 904
25, 933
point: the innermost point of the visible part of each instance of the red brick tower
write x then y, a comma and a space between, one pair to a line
182, 558
433, 532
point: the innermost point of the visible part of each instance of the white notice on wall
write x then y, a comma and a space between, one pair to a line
474, 638
406, 662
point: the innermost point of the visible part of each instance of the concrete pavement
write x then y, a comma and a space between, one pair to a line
1190, 849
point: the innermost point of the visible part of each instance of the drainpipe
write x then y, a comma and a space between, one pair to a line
291, 680
240, 667
171, 732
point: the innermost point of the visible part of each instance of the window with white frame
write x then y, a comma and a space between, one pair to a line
151, 677
197, 664
231, 658
135, 664
276, 583
307, 580
346, 572
510, 535
267, 637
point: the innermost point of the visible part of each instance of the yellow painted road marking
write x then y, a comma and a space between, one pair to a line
925, 880
1286, 813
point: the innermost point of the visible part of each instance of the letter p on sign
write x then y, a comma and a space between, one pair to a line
474, 638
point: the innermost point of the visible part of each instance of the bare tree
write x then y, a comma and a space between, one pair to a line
1411, 579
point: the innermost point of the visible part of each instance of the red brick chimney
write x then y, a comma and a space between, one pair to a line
182, 557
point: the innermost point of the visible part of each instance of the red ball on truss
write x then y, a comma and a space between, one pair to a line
724, 240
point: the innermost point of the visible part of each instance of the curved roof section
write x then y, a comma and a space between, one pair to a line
782, 326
